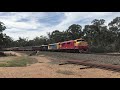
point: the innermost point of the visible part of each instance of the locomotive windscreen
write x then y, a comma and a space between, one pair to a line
80, 40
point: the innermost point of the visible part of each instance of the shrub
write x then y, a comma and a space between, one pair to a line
97, 49
110, 48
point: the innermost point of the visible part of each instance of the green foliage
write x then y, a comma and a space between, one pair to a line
97, 49
74, 32
2, 28
110, 48
56, 36
42, 40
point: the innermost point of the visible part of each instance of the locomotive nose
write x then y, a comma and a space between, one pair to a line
82, 44
79, 43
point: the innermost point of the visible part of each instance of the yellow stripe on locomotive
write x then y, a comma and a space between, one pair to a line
80, 42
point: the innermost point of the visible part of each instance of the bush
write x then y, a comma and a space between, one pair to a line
110, 48
105, 49
97, 49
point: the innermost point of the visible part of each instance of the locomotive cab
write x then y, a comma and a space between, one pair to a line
81, 42
81, 45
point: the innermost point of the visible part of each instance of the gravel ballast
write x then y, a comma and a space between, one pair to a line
96, 58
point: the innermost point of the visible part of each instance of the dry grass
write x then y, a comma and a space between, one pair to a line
18, 62
65, 72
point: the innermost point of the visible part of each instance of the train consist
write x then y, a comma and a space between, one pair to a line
78, 45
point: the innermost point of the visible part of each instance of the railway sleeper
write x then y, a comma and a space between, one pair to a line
101, 66
86, 67
63, 63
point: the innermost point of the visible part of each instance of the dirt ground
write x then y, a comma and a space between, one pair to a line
47, 69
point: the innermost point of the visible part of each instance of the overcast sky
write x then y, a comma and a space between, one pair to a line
32, 24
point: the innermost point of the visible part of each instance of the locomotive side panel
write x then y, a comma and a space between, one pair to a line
52, 46
67, 45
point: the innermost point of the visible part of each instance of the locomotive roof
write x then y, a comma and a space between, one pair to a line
80, 39
67, 41
53, 44
44, 45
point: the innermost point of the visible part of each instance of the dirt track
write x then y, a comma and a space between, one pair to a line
47, 69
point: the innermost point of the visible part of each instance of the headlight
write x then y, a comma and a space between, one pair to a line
79, 43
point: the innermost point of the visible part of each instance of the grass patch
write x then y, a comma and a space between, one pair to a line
20, 62
65, 72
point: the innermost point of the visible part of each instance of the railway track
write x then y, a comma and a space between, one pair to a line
94, 65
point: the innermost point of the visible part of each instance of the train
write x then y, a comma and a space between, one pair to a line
78, 45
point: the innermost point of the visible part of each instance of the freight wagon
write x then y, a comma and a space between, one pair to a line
40, 48
53, 47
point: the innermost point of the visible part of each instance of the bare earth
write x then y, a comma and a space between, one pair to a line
46, 69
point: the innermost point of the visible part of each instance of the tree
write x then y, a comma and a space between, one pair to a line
7, 41
114, 27
21, 42
40, 40
89, 34
74, 32
2, 28
56, 36
96, 32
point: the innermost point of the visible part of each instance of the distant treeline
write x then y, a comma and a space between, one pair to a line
101, 37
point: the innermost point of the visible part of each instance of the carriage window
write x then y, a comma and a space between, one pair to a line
52, 45
68, 42
63, 44
80, 40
